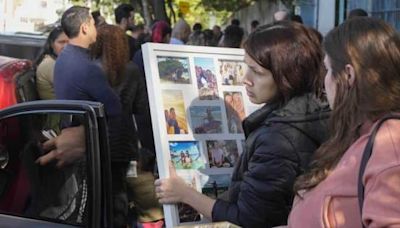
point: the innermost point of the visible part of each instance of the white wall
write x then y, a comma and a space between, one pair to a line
262, 11
326, 16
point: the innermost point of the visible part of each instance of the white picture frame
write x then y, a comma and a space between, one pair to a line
202, 135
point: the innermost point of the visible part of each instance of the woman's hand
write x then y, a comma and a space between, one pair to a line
173, 189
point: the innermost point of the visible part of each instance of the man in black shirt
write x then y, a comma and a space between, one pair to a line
125, 19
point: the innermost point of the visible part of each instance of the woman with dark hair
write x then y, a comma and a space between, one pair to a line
284, 73
362, 86
46, 60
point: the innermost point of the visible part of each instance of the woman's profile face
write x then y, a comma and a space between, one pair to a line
59, 43
330, 84
259, 82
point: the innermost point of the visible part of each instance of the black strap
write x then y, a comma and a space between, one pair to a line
366, 155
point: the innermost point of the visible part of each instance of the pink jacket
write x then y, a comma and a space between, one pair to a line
334, 202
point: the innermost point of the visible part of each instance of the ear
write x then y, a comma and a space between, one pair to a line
351, 77
84, 28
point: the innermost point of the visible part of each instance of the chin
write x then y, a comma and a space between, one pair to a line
254, 101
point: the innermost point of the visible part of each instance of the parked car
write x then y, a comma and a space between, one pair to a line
37, 195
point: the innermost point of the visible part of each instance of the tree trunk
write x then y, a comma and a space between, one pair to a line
159, 10
146, 13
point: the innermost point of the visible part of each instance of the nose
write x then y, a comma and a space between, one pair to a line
247, 78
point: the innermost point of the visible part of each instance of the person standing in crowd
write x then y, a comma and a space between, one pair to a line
197, 36
112, 54
296, 18
357, 13
217, 34
161, 33
233, 37
46, 61
253, 26
180, 32
235, 22
98, 19
284, 73
76, 77
125, 19
362, 62
208, 37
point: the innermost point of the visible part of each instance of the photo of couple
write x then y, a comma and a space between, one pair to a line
174, 112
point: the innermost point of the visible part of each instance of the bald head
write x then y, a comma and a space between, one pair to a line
281, 15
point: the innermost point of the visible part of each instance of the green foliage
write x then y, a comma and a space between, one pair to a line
203, 14
226, 5
168, 67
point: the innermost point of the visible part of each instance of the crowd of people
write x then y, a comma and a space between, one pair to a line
322, 98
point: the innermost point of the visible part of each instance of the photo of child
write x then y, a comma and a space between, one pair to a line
232, 72
206, 80
174, 111
222, 153
186, 155
234, 111
173, 70
206, 119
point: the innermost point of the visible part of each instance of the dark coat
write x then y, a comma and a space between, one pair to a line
133, 95
279, 146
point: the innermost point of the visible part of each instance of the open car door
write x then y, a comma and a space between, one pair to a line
45, 194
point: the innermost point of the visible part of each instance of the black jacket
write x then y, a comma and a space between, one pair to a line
279, 144
133, 96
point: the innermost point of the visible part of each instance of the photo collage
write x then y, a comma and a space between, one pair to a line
204, 103
211, 117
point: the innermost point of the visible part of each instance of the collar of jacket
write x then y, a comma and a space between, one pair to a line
302, 108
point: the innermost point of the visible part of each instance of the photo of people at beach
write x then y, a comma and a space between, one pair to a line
232, 72
206, 80
173, 70
186, 155
222, 153
206, 119
174, 111
234, 111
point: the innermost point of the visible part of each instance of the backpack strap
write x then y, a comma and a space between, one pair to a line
366, 155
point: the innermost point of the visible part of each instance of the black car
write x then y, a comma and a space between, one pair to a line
45, 195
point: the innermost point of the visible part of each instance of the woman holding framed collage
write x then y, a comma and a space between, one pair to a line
284, 70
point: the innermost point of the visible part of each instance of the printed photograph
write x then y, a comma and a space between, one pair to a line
206, 119
186, 212
222, 153
232, 72
234, 111
174, 111
216, 185
173, 70
206, 79
186, 155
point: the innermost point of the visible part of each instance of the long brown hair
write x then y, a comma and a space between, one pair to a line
112, 48
292, 53
372, 47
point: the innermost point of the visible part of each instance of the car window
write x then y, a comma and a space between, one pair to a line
32, 183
